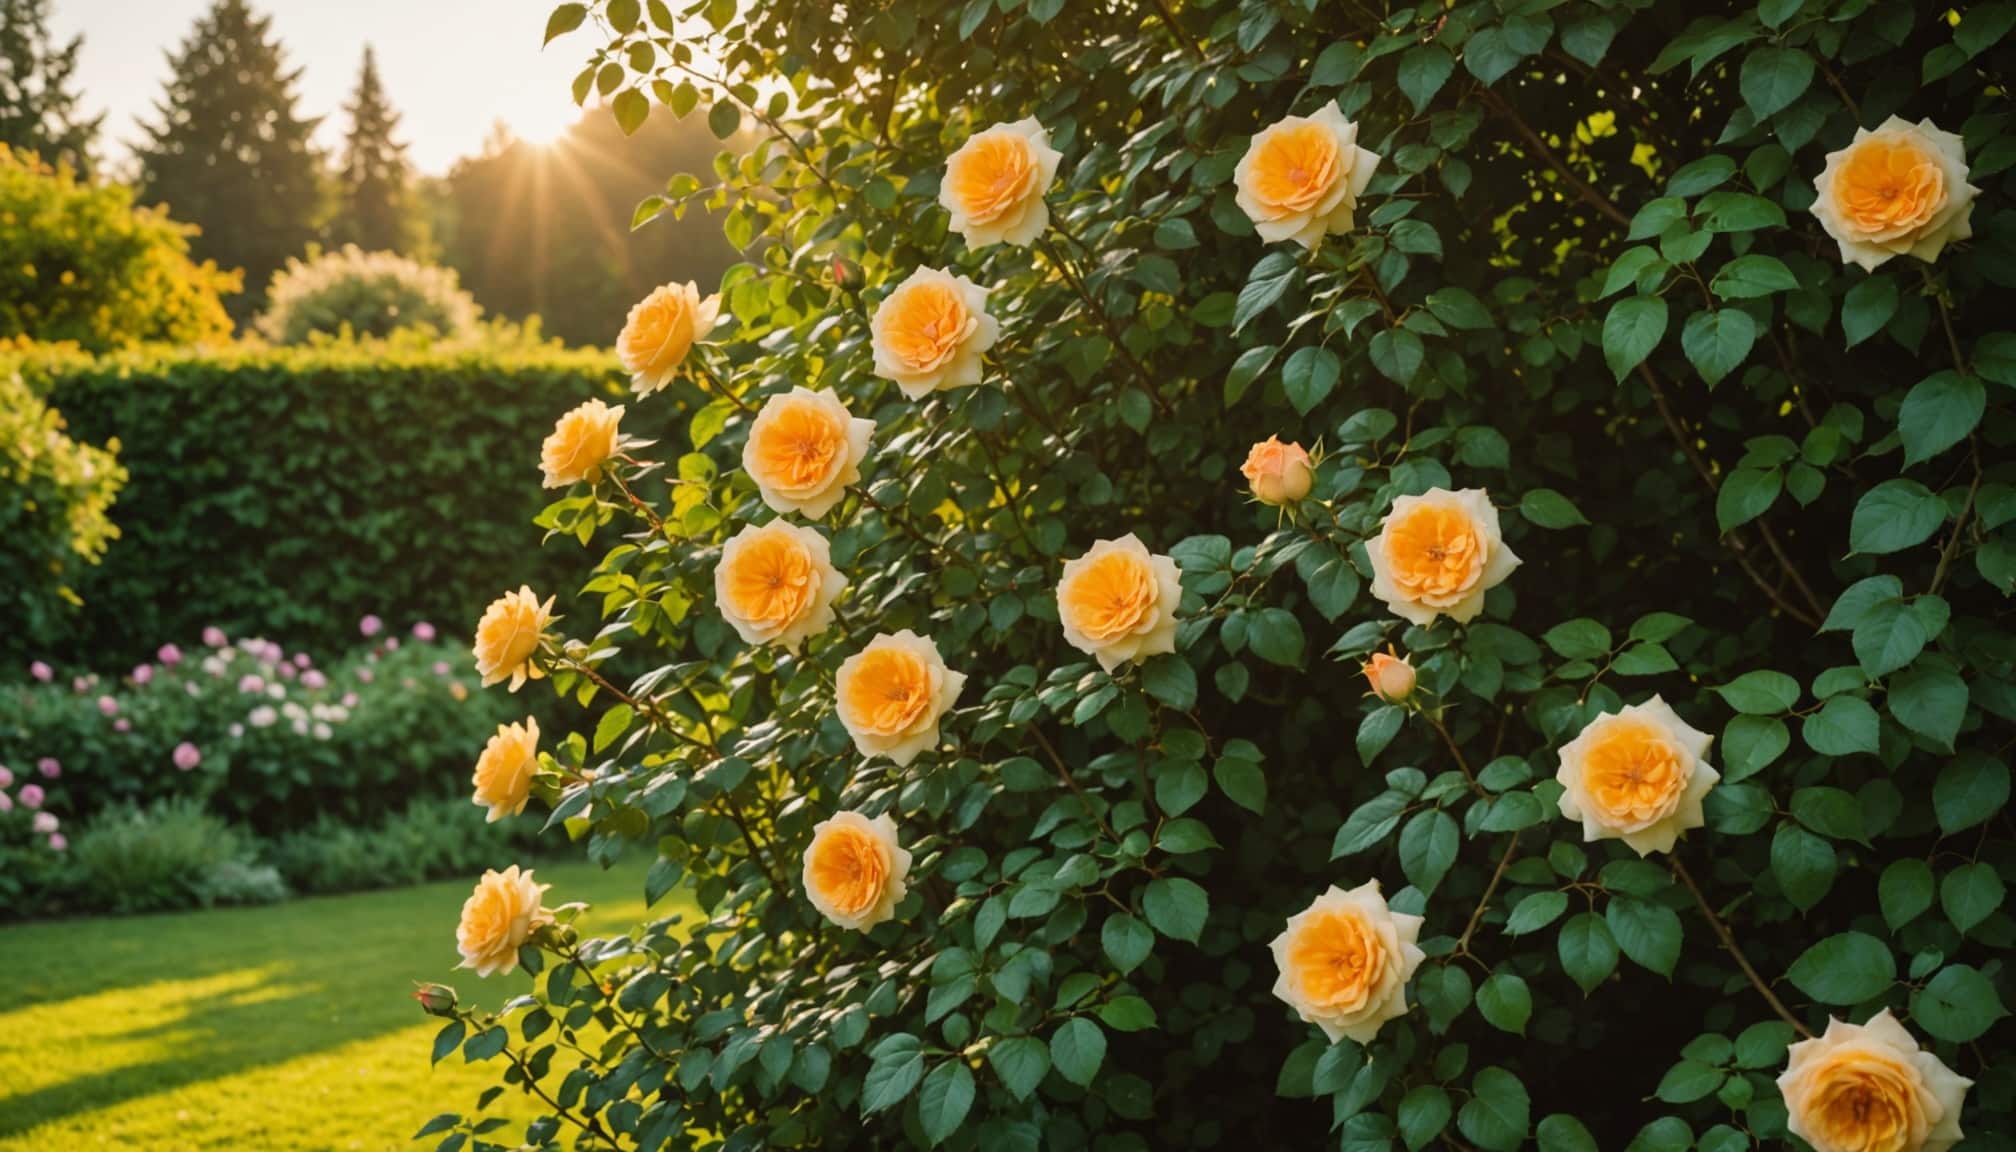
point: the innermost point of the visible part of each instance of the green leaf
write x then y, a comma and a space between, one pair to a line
1688, 1081
1397, 354
898, 1067
1847, 968
1773, 78
449, 1039
1127, 1014
1309, 376
1535, 912
566, 18
1746, 494
1377, 730
1804, 865
1703, 175
1748, 277
1648, 933
1428, 847
1716, 342
1269, 279
1021, 1062
1588, 952
944, 1100
1176, 907
1126, 940
1175, 235
1904, 892
1632, 329
1889, 636
1423, 71
1077, 1049
1275, 635
1859, 599
1458, 308
631, 107
1369, 824
724, 119
1505, 1002
1581, 639
1938, 413
1424, 1112
1546, 508
1336, 64
1564, 1133
1832, 812
1970, 790
1243, 783
1867, 307
1893, 516
1969, 894
1495, 1117
1844, 725
1931, 701
1750, 744
1761, 693
1171, 680
1958, 1005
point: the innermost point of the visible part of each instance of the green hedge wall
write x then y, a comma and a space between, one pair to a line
287, 493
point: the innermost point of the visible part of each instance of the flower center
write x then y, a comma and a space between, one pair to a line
1867, 1104
891, 690
1297, 167
1339, 959
773, 581
1112, 596
801, 450
1888, 186
1634, 774
847, 866
1436, 554
929, 323
992, 176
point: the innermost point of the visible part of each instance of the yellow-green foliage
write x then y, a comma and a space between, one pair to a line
79, 263
54, 498
351, 291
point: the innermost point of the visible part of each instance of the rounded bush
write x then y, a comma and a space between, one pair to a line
364, 294
55, 496
1373, 576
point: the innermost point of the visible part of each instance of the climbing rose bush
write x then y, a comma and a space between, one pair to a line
1279, 574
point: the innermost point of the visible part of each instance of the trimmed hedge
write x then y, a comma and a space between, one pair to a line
287, 493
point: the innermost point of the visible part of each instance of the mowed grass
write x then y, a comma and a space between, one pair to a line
283, 1029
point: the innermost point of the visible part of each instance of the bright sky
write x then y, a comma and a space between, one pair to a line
452, 67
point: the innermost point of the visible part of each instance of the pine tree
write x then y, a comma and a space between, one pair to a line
38, 109
230, 153
376, 210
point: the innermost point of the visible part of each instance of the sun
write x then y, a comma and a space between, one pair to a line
541, 123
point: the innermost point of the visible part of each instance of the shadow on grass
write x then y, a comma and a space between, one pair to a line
99, 1012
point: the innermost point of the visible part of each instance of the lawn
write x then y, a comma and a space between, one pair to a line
282, 1029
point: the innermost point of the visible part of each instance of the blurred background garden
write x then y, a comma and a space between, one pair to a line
287, 289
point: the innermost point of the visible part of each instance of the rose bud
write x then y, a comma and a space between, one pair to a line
1391, 677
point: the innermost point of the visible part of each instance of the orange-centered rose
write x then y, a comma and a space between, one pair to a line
498, 918
504, 771
1391, 677
1301, 177
994, 184
776, 583
1278, 473
931, 333
1437, 554
580, 444
891, 694
661, 329
855, 870
509, 635
803, 450
1900, 189
1118, 602
1870, 1088
1637, 775
1345, 962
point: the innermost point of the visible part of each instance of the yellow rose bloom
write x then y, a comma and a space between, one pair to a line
1345, 962
1899, 190
855, 870
931, 333
776, 584
1437, 554
660, 330
1870, 1088
503, 776
498, 918
994, 184
508, 636
1118, 602
1301, 177
1278, 473
891, 694
804, 449
580, 443
1637, 775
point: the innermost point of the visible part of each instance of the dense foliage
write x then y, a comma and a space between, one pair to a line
1755, 462
54, 496
351, 292
374, 179
87, 268
287, 493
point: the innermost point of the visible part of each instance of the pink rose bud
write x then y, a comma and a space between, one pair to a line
287, 672
391, 644
45, 822
122, 725
423, 631
301, 660
435, 999
441, 668
349, 699
41, 671
49, 767
313, 678
370, 625
57, 843
1391, 677
1278, 473
169, 655
214, 637
143, 674
250, 682
107, 706
364, 674
187, 756
80, 684
6, 776
31, 796
6, 802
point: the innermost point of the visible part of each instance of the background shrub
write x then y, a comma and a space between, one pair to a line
432, 837
84, 265
169, 854
1767, 486
364, 294
54, 496
287, 493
